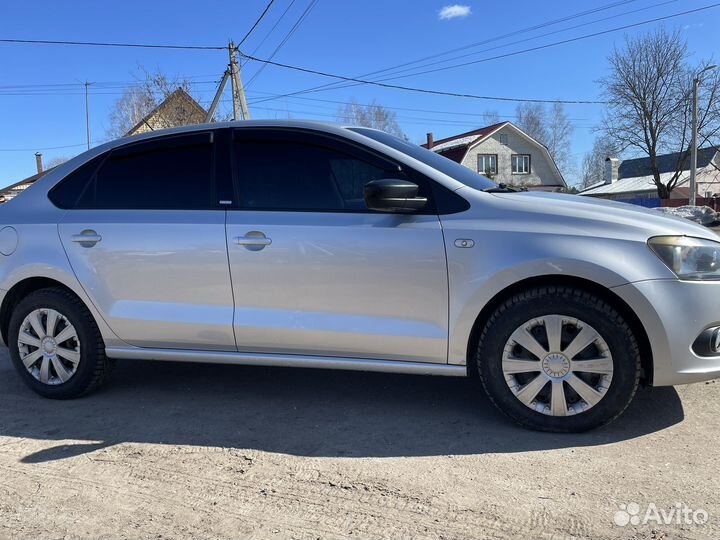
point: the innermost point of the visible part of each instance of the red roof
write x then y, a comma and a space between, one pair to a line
465, 140
481, 133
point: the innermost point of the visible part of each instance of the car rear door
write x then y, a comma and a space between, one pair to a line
315, 272
146, 239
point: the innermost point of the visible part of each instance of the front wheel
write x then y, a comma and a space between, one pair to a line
558, 359
56, 346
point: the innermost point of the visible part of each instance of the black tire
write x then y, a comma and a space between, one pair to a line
570, 302
93, 367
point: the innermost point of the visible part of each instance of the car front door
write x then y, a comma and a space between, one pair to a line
146, 238
314, 271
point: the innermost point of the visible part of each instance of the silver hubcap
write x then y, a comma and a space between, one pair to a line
557, 365
49, 346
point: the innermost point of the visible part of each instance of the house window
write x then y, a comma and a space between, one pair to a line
487, 163
503, 138
521, 163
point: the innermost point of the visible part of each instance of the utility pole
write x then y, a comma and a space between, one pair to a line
87, 114
693, 147
218, 95
238, 91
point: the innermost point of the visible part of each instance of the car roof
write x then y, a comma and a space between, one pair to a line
297, 124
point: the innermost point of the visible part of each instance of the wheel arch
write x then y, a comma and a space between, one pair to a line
20, 290
646, 356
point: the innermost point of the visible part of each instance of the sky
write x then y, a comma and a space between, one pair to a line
42, 100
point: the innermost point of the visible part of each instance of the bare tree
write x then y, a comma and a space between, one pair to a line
593, 166
649, 90
54, 162
559, 140
491, 117
373, 115
141, 98
551, 128
532, 119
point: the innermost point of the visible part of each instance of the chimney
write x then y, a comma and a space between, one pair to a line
611, 170
38, 162
430, 142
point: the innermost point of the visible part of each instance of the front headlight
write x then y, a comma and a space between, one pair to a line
689, 258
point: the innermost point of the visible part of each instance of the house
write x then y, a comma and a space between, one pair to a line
504, 153
178, 109
632, 180
16, 189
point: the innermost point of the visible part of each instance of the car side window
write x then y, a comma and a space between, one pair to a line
174, 173
66, 194
289, 172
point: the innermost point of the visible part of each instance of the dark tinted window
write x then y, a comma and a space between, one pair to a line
67, 192
434, 160
295, 175
165, 174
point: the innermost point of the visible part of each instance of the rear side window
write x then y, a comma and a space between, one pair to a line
284, 172
67, 193
173, 173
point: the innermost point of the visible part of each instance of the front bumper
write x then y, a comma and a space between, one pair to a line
674, 313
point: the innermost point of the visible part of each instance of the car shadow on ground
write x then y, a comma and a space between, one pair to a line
296, 411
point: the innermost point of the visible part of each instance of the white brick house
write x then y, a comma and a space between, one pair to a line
505, 153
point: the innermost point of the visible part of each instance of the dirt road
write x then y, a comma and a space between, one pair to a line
189, 451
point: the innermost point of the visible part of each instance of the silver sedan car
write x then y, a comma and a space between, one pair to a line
309, 245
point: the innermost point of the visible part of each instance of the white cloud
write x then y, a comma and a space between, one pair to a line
453, 12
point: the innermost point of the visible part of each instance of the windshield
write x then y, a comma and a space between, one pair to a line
436, 161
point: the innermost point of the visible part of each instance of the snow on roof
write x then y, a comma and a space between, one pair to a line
454, 142
630, 185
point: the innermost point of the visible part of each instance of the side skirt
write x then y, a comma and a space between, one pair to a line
286, 360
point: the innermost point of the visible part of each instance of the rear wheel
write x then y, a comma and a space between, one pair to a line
558, 359
56, 346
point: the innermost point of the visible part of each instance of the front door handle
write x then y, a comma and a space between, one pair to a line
87, 238
253, 240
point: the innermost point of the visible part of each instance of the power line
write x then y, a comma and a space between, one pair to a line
404, 119
45, 148
336, 85
420, 90
339, 84
274, 26
113, 44
521, 31
433, 111
292, 30
472, 96
260, 18
563, 42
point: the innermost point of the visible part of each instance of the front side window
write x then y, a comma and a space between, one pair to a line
277, 173
165, 174
487, 163
462, 174
521, 164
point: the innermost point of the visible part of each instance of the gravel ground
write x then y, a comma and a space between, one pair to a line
190, 451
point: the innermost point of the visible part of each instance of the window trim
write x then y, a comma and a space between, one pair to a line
342, 145
529, 162
487, 155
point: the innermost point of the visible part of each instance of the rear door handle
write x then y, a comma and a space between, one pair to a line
87, 238
253, 240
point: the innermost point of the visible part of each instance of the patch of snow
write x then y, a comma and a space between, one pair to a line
455, 142
704, 215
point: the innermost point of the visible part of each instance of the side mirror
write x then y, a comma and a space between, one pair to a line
391, 195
